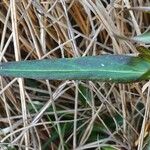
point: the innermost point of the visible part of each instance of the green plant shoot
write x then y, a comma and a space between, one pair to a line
107, 68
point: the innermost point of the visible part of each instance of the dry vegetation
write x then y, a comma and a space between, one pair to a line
37, 114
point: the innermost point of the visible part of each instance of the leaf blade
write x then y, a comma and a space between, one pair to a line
109, 68
142, 38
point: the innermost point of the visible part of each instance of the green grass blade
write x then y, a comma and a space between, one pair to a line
144, 52
109, 68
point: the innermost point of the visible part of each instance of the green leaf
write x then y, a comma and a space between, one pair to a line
108, 148
147, 143
109, 68
143, 38
84, 95
144, 52
66, 128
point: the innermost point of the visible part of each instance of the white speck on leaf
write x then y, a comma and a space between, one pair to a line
102, 65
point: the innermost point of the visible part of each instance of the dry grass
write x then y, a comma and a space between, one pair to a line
37, 114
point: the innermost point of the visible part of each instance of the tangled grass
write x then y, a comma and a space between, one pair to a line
38, 114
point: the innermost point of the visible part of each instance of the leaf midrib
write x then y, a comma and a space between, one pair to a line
111, 71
